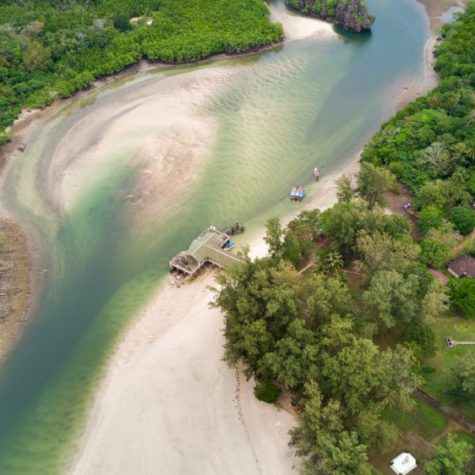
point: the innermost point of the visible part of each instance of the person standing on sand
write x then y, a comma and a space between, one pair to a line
316, 174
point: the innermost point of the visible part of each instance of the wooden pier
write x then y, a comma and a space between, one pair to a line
210, 247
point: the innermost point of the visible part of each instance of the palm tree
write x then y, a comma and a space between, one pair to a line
333, 262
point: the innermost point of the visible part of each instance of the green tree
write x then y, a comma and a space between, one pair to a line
380, 251
438, 159
320, 436
295, 358
372, 182
344, 222
463, 219
449, 458
437, 245
423, 336
391, 297
36, 56
260, 301
463, 378
345, 192
265, 390
434, 303
430, 217
434, 252
333, 262
324, 298
274, 237
462, 293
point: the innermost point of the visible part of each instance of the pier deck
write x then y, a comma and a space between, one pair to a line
208, 247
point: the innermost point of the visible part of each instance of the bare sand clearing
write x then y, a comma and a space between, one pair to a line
297, 26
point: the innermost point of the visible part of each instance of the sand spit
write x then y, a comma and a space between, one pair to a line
170, 405
154, 127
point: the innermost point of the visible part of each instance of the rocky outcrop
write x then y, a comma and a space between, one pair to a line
351, 14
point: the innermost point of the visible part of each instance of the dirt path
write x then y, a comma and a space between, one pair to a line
451, 414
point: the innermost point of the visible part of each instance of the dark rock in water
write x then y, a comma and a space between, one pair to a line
351, 14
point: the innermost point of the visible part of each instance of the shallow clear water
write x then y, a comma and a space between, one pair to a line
311, 101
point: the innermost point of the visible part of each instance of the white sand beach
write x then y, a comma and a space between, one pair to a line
171, 405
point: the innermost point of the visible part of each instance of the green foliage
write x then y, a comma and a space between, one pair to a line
438, 244
5, 137
463, 377
462, 293
463, 219
295, 329
381, 251
351, 14
423, 336
345, 222
430, 144
345, 192
57, 48
430, 217
372, 182
274, 237
435, 252
450, 458
266, 391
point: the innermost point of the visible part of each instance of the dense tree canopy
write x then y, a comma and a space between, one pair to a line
312, 335
54, 48
430, 144
450, 458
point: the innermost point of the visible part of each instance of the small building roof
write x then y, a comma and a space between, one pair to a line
403, 463
462, 266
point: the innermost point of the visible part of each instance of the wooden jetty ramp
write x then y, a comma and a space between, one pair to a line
210, 247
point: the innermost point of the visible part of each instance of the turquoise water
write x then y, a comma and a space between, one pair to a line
311, 101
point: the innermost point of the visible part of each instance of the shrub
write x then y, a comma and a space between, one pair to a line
423, 337
266, 391
5, 137
463, 219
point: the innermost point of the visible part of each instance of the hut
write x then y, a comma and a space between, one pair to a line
211, 246
463, 266
403, 463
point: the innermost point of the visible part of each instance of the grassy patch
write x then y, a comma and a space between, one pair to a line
445, 358
424, 421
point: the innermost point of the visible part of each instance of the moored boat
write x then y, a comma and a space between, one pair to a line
298, 193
